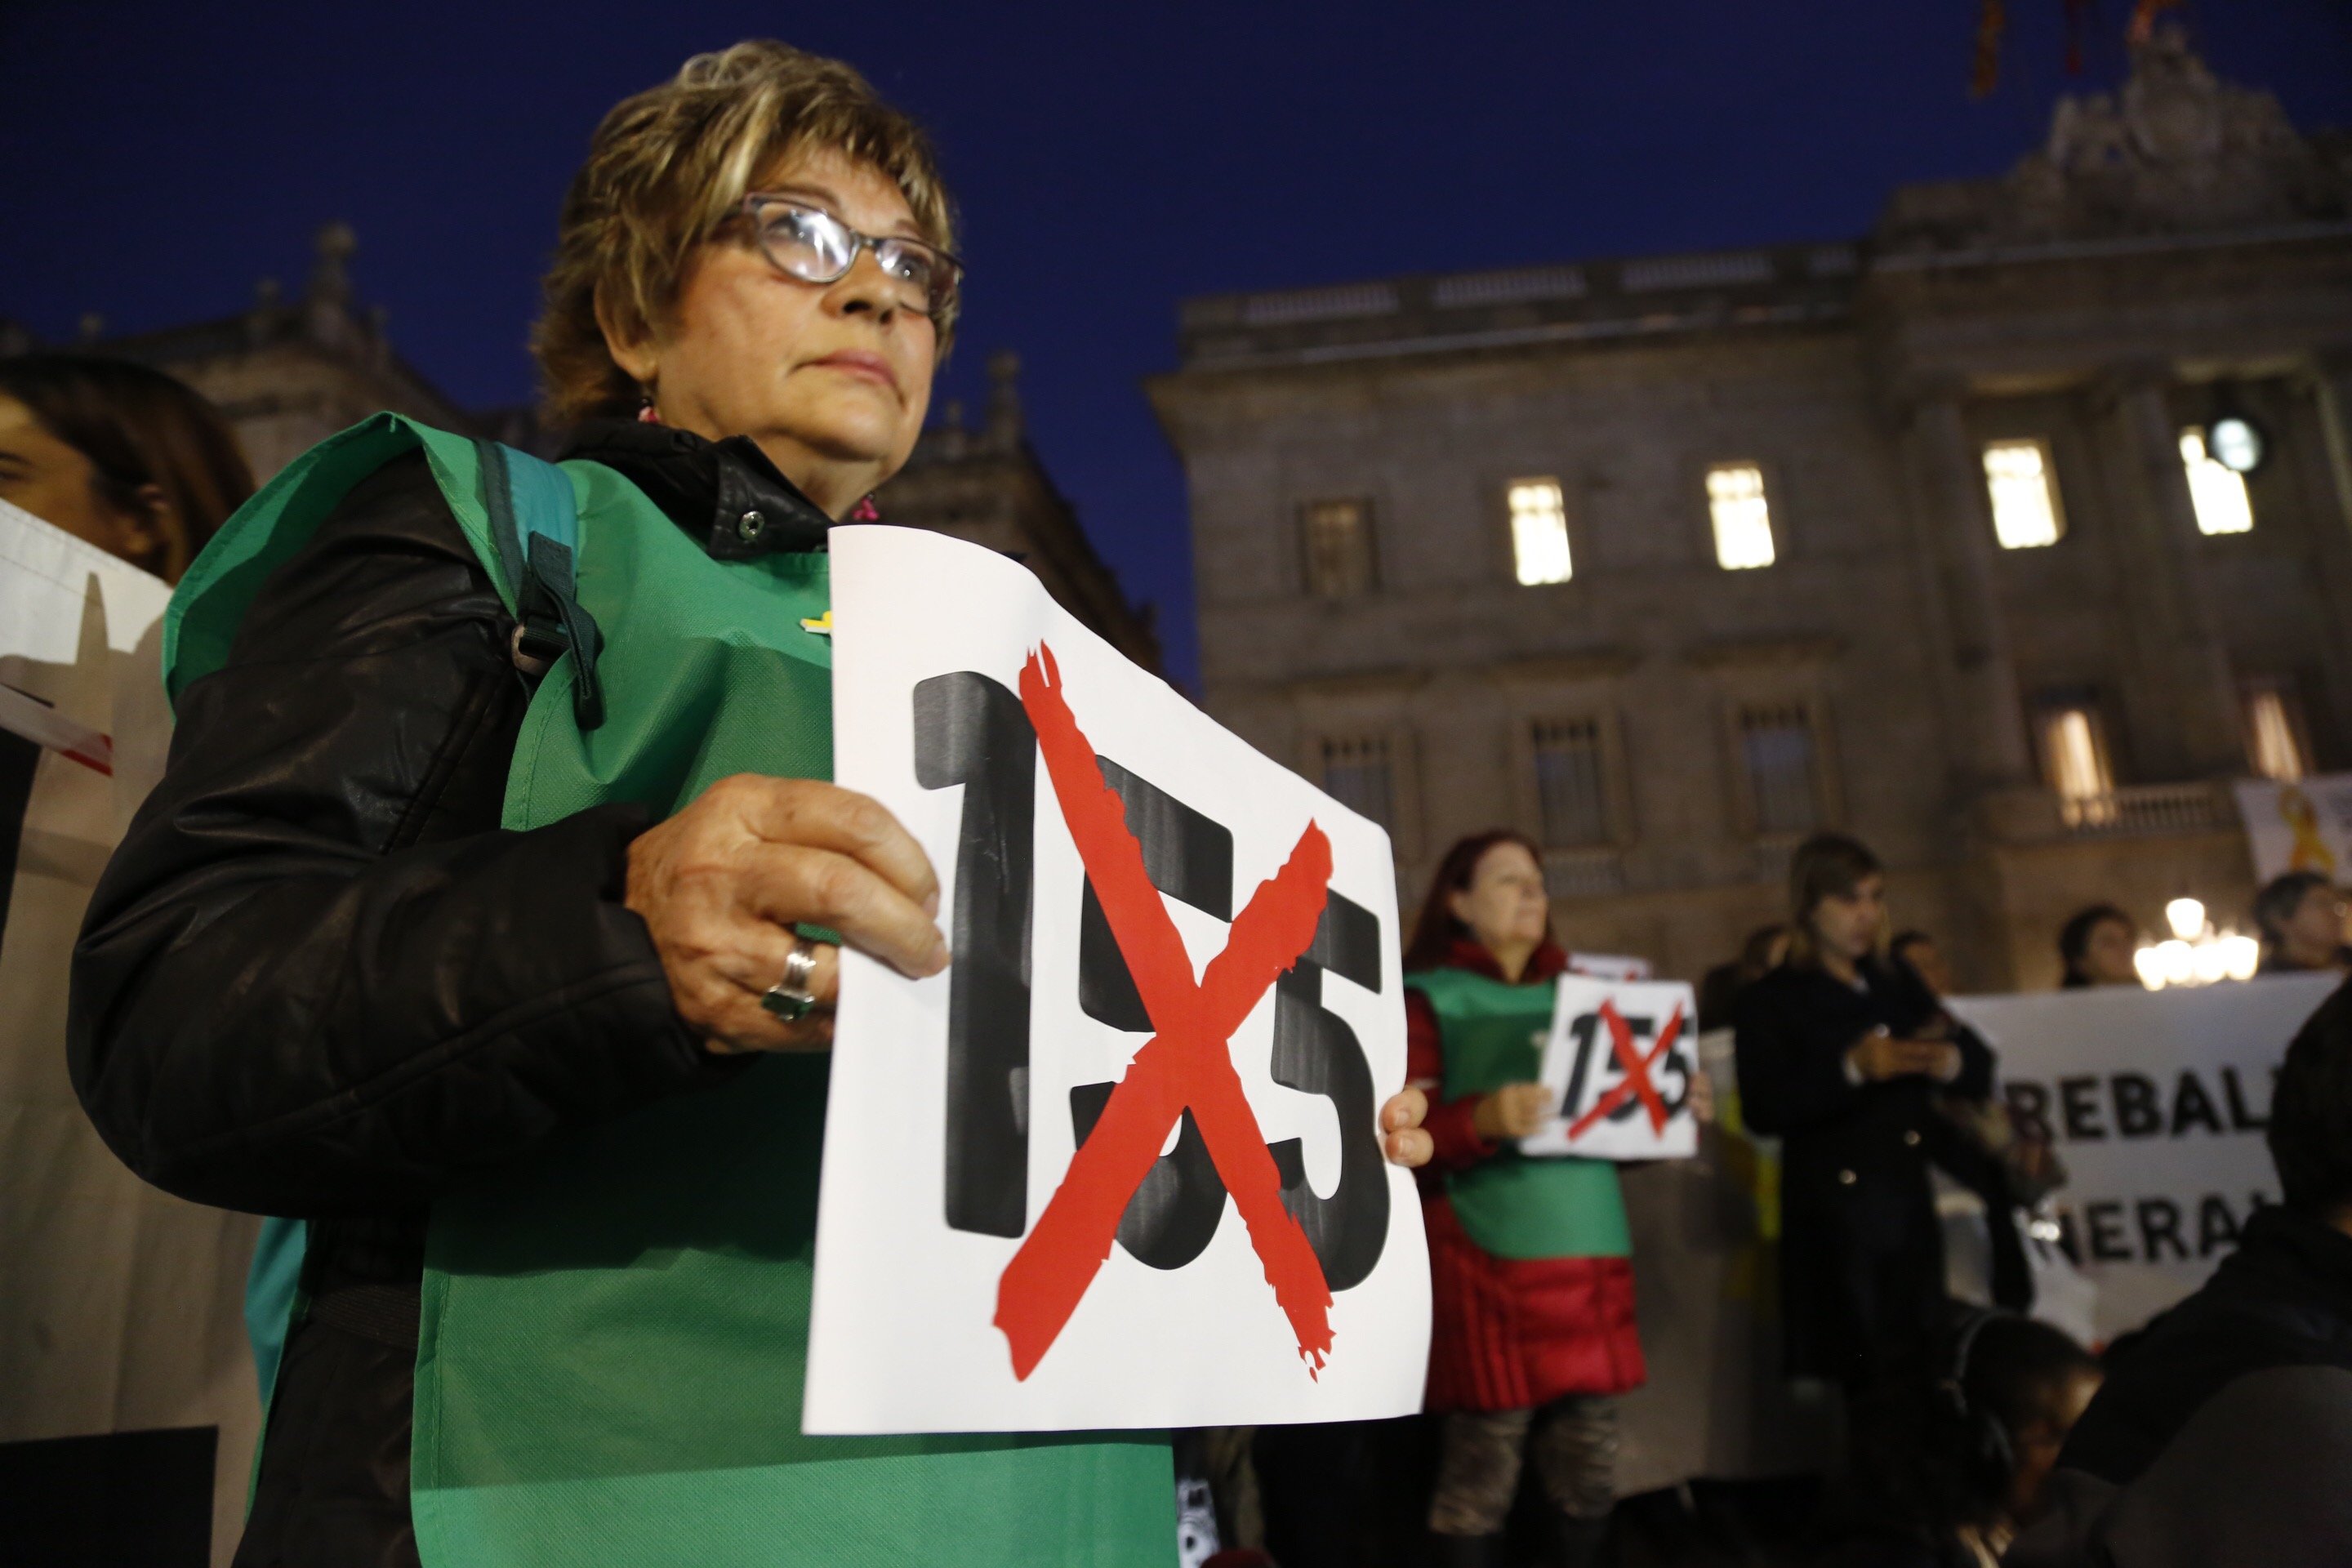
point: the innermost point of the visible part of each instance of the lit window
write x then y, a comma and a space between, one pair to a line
1570, 788
2025, 494
1338, 540
2074, 761
2219, 493
2275, 732
1777, 744
1539, 532
1356, 774
1743, 520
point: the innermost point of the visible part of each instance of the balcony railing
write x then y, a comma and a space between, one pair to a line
2143, 810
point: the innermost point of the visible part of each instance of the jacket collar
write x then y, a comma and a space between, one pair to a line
726, 494
1545, 963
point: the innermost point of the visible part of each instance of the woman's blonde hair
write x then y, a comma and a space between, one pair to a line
670, 166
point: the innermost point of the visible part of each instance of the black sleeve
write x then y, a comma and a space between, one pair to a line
1975, 1079
1791, 1069
316, 978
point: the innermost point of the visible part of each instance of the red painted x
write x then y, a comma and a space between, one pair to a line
1186, 1064
1637, 1071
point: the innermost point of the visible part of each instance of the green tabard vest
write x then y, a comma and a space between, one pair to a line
1513, 1205
614, 1331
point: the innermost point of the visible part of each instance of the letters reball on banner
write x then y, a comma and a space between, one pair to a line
1620, 1060
1119, 1166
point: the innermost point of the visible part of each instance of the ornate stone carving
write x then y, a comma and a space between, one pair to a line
2176, 150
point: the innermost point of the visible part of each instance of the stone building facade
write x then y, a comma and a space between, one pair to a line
288, 373
1671, 560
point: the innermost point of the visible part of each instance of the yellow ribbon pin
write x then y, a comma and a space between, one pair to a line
820, 625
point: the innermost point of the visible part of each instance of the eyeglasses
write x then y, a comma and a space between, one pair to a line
812, 244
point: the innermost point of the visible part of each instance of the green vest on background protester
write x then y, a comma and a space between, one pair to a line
614, 1329
1514, 1205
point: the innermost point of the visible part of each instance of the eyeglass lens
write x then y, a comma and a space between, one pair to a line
817, 247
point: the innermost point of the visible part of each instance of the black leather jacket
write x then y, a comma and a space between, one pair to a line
317, 979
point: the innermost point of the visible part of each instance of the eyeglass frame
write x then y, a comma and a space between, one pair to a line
864, 242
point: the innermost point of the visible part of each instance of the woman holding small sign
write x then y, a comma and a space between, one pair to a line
1532, 1334
499, 849
1844, 1054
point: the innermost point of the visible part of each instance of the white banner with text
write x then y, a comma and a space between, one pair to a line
2158, 1101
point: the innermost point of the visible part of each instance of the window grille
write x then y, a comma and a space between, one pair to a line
2075, 762
2275, 744
2025, 494
1357, 774
1571, 787
1742, 516
1337, 537
1776, 742
1539, 532
2218, 492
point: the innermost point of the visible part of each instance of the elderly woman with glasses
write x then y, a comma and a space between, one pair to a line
470, 871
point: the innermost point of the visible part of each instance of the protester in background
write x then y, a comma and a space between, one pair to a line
1958, 1460
2229, 1419
1843, 1054
2301, 917
320, 979
1719, 990
1533, 1291
2095, 948
119, 455
1918, 951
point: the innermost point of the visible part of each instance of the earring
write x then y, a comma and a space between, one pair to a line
646, 413
866, 512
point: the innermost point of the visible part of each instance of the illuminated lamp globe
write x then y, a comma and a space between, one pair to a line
2187, 918
2236, 444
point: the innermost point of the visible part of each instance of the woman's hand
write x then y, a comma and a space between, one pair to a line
721, 884
1513, 1110
1701, 1097
1402, 1139
1879, 1057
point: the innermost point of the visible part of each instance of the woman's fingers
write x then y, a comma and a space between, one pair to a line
765, 948
1405, 1109
789, 884
1410, 1148
817, 816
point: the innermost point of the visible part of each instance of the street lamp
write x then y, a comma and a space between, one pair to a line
2195, 954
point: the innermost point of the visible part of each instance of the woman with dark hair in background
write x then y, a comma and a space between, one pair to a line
119, 456
1963, 1455
2301, 917
1843, 1054
1533, 1333
2095, 947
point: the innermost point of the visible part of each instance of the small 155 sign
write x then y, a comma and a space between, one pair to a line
1620, 1059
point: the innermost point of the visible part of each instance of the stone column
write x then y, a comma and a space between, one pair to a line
1948, 480
2331, 379
2198, 733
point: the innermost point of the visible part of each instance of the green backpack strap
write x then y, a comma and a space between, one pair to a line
535, 518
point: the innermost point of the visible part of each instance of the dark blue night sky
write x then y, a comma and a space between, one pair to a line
1108, 161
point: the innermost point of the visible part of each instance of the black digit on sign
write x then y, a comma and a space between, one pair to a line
1585, 1030
1643, 1030
1175, 1213
19, 759
970, 731
1316, 1052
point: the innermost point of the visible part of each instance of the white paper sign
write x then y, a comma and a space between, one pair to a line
2301, 827
989, 1131
2158, 1101
1619, 1062
119, 1304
